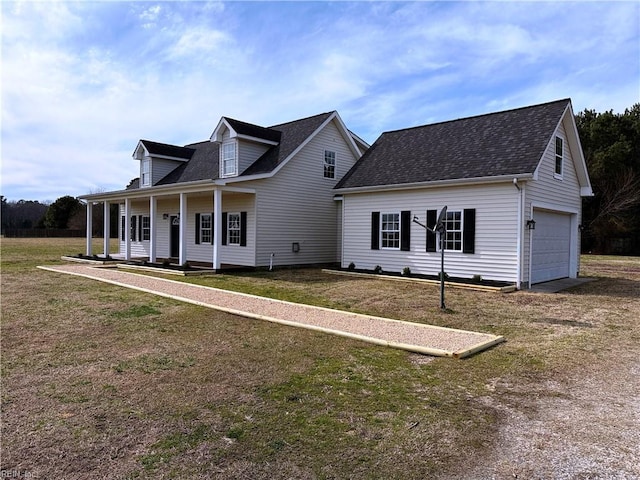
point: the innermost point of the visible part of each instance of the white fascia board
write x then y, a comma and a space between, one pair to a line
139, 155
586, 191
216, 136
173, 189
255, 139
346, 134
167, 157
437, 183
576, 150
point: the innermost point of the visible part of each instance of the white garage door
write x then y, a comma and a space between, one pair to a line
551, 246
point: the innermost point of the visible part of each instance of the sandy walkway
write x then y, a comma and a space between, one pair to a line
414, 337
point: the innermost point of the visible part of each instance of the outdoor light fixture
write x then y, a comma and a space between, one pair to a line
165, 216
531, 224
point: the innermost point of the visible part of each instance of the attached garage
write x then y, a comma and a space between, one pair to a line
551, 246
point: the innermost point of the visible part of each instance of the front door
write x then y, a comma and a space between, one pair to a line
174, 237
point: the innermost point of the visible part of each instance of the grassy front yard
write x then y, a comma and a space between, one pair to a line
103, 382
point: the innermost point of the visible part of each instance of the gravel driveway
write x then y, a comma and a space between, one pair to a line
414, 337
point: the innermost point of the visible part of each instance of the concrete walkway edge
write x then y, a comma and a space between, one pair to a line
481, 342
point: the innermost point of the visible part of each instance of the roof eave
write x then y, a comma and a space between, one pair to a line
436, 183
173, 188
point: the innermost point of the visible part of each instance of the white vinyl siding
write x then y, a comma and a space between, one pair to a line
496, 209
297, 205
548, 193
139, 247
161, 167
248, 153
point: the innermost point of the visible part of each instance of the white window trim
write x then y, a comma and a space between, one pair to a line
438, 249
325, 164
148, 228
382, 222
203, 229
233, 173
229, 229
145, 182
557, 175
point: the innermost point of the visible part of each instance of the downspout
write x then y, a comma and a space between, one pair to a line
519, 234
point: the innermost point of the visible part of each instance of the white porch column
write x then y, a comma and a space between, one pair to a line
89, 226
217, 227
106, 227
153, 207
183, 229
127, 229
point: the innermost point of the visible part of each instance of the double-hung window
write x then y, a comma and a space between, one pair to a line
233, 229
453, 235
559, 157
145, 172
146, 228
229, 163
205, 228
329, 164
390, 230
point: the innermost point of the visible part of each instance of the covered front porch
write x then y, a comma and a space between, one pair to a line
212, 226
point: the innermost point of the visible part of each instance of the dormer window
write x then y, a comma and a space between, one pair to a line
145, 172
228, 161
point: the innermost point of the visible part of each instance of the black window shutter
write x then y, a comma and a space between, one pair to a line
405, 230
133, 228
197, 229
139, 228
469, 231
213, 227
122, 232
224, 228
432, 218
375, 230
243, 229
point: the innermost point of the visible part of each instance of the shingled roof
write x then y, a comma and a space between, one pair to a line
504, 143
204, 162
251, 130
166, 150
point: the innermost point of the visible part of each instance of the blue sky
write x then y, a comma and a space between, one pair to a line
82, 82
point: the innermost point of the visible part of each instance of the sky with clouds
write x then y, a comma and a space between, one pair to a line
83, 81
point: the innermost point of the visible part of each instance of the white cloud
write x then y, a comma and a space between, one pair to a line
83, 81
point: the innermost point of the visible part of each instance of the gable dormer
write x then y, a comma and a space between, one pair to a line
158, 159
241, 144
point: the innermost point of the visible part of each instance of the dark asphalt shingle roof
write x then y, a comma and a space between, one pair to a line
504, 143
164, 149
292, 135
251, 130
204, 163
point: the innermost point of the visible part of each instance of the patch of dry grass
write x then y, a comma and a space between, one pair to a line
100, 381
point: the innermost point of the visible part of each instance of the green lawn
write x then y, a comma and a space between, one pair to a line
103, 382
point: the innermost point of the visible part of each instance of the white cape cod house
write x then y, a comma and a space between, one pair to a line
312, 192
248, 196
512, 182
